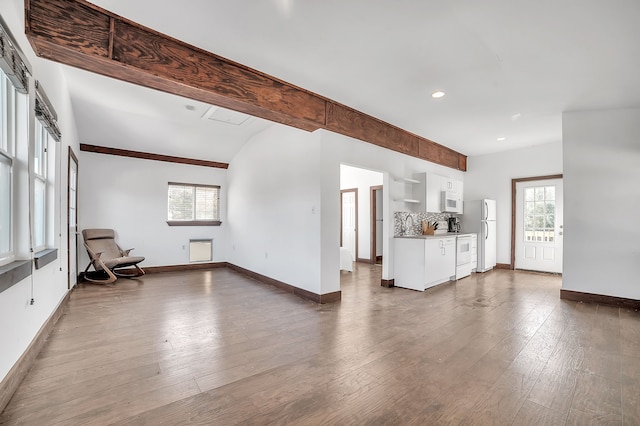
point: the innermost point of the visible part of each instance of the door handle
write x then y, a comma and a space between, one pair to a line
486, 233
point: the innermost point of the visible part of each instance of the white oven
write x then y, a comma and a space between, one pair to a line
463, 256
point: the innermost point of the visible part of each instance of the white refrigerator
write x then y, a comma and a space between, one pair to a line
480, 217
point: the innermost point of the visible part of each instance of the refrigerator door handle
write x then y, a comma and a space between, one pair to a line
486, 233
486, 210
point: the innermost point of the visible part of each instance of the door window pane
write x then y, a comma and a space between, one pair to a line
539, 214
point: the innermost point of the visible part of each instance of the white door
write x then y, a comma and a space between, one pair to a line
348, 223
539, 225
72, 235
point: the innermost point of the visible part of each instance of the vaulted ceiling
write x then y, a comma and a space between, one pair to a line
508, 68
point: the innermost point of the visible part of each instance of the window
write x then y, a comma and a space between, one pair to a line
40, 184
44, 169
7, 149
539, 213
193, 204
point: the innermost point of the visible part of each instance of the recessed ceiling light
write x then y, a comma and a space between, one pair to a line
502, 138
437, 94
190, 107
514, 117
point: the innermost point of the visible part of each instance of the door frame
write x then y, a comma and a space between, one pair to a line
72, 157
374, 235
342, 191
513, 210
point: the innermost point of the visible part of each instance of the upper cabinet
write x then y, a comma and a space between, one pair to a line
431, 189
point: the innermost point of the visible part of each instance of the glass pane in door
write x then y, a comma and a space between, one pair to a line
539, 213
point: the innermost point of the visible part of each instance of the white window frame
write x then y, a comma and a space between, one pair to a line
194, 221
41, 176
8, 115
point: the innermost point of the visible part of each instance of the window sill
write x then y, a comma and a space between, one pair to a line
194, 223
44, 257
13, 273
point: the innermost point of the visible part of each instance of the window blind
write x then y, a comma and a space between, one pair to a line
193, 202
11, 61
46, 113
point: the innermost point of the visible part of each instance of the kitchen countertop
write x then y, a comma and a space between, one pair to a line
426, 237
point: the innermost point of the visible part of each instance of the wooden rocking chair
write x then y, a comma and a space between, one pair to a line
107, 256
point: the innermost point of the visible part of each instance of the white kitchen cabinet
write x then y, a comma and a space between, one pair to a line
428, 192
408, 264
448, 184
420, 263
440, 260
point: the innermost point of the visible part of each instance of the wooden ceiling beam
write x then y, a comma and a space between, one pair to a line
82, 35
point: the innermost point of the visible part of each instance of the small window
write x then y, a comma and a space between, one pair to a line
193, 205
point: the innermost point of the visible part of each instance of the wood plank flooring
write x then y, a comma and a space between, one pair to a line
216, 347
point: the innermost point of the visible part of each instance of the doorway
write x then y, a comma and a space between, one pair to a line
72, 220
348, 220
376, 224
537, 228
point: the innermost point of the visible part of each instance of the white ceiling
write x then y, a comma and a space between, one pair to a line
509, 67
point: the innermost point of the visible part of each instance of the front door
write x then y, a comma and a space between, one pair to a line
538, 230
348, 224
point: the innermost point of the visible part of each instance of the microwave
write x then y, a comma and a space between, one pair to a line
451, 202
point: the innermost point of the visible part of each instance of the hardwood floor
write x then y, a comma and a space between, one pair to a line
215, 347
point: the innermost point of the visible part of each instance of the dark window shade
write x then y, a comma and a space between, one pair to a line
46, 114
12, 63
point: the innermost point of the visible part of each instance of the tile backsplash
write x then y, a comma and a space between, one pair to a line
401, 219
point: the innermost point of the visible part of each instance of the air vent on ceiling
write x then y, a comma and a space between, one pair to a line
225, 116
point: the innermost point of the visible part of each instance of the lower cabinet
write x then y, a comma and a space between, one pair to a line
420, 263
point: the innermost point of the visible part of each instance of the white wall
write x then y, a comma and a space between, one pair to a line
274, 207
284, 203
20, 321
363, 180
489, 176
129, 195
602, 202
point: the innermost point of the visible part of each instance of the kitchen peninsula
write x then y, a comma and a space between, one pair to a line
423, 261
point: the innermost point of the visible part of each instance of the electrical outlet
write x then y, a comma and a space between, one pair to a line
184, 247
266, 255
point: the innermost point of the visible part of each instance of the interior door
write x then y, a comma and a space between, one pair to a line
72, 220
538, 232
376, 224
348, 224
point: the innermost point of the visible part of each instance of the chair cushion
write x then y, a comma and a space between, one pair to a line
121, 262
92, 234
